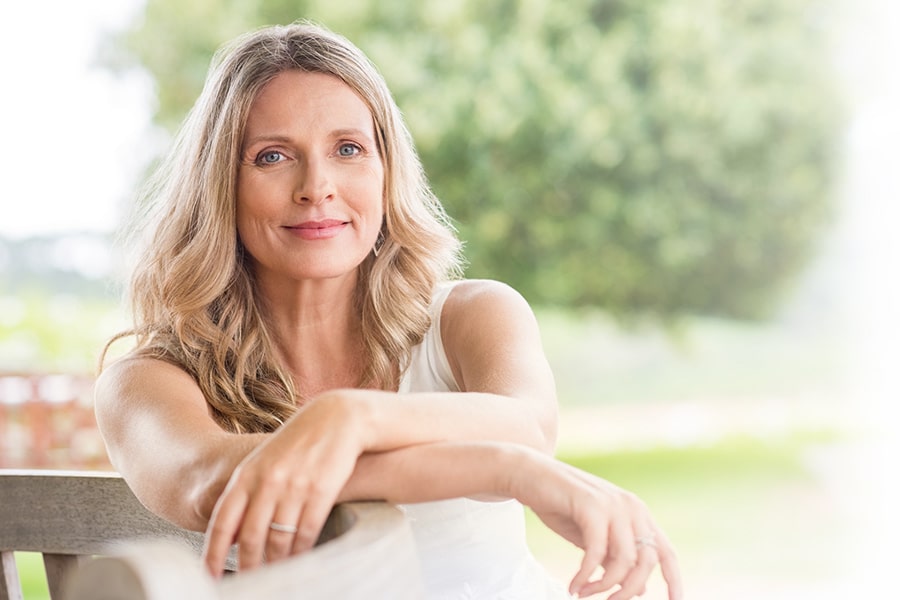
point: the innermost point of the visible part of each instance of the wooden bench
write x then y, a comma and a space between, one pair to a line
365, 551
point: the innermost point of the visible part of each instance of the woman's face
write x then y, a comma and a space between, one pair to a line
310, 183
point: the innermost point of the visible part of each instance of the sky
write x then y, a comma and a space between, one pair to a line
73, 132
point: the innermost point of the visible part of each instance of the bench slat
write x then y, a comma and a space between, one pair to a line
373, 558
58, 567
76, 513
10, 588
365, 551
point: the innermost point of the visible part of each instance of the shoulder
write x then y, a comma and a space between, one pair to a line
479, 307
135, 393
131, 367
492, 340
474, 295
131, 379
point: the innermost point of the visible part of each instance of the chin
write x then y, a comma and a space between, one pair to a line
326, 269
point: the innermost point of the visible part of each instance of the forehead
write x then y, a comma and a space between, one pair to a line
300, 100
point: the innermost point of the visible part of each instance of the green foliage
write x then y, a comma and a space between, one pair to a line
43, 331
649, 156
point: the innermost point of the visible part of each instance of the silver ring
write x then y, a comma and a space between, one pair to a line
645, 540
282, 528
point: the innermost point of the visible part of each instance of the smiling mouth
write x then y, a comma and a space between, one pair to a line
318, 230
323, 224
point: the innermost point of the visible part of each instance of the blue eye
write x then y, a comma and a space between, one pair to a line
269, 157
349, 150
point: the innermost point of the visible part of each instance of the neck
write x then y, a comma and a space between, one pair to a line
316, 331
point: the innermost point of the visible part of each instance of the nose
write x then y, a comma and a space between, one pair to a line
314, 183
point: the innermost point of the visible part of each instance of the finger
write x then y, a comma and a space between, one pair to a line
595, 538
222, 529
593, 556
315, 513
254, 531
282, 531
621, 556
635, 582
668, 563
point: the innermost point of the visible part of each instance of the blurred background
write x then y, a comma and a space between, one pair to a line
699, 198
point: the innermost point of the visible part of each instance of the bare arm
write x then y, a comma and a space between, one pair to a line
595, 515
163, 440
492, 342
160, 436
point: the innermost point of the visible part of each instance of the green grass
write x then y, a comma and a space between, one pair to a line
31, 575
743, 509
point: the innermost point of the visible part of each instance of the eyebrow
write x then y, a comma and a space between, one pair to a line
267, 138
283, 139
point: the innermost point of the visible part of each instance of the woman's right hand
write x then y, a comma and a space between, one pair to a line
613, 527
292, 479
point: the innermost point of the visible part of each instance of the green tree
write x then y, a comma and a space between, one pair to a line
648, 156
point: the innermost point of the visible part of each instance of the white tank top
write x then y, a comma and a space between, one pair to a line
468, 549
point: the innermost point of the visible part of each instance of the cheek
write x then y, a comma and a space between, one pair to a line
255, 198
242, 215
372, 188
245, 232
243, 198
251, 211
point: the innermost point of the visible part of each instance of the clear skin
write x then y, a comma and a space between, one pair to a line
309, 159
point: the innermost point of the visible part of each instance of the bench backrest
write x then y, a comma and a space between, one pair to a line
365, 551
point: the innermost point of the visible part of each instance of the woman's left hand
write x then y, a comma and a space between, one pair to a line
612, 526
278, 498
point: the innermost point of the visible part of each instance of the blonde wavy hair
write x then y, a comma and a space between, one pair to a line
192, 293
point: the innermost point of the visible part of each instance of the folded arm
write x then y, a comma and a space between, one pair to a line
163, 440
161, 437
183, 466
492, 342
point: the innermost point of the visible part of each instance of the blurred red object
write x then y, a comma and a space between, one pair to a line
47, 422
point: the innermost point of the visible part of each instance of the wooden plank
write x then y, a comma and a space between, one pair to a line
58, 567
90, 513
85, 513
375, 558
371, 555
10, 588
145, 571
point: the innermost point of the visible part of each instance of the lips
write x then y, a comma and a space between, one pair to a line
318, 230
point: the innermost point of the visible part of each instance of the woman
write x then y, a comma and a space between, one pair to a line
303, 339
